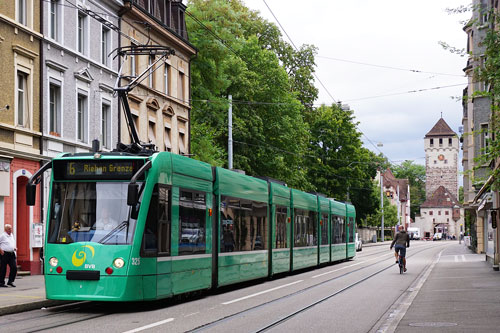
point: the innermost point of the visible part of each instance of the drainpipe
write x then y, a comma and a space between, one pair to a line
40, 101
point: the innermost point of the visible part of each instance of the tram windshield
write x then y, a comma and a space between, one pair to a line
90, 212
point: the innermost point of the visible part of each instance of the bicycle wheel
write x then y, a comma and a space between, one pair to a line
401, 269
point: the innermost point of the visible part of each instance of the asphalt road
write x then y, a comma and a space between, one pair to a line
353, 296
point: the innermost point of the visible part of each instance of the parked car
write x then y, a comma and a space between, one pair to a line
359, 243
437, 236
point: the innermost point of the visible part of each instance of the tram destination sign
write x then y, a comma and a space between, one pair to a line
96, 169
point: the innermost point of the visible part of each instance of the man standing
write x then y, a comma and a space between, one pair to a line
8, 256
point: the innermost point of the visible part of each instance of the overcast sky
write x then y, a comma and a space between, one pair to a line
393, 33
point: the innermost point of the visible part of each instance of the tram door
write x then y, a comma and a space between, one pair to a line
22, 233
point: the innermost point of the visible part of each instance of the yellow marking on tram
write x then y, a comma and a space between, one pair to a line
80, 256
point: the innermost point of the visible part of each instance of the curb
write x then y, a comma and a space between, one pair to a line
16, 308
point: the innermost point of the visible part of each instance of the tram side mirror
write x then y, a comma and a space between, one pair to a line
30, 194
133, 194
134, 213
494, 219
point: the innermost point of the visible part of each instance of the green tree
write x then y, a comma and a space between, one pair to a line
269, 132
338, 165
390, 215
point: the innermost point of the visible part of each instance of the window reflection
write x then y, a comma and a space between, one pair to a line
243, 225
305, 226
192, 216
90, 212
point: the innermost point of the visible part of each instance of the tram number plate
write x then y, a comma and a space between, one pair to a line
136, 261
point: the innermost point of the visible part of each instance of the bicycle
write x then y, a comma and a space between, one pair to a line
401, 264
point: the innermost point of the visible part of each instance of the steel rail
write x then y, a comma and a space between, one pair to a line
279, 299
307, 307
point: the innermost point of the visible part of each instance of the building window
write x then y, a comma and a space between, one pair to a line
484, 137
134, 66
180, 86
135, 119
431, 212
440, 142
439, 212
168, 142
55, 109
82, 32
105, 43
450, 141
152, 132
22, 12
166, 76
432, 142
435, 162
446, 213
151, 72
22, 99
54, 19
182, 146
82, 118
106, 126
445, 161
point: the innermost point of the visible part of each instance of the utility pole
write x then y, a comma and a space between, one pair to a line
230, 134
382, 204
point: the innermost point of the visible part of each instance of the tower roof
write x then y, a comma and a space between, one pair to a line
441, 129
440, 198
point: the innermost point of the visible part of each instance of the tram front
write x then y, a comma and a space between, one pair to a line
90, 230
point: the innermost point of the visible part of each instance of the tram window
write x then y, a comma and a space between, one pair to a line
149, 243
192, 222
351, 230
164, 224
324, 229
243, 225
156, 237
338, 230
281, 216
90, 212
305, 227
342, 230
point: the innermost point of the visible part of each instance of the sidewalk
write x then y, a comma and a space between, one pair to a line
29, 294
461, 294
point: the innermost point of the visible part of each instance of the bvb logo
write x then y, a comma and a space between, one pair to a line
80, 255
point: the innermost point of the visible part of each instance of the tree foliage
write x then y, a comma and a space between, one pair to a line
415, 173
276, 130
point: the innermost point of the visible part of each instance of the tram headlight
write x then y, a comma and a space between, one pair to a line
53, 261
118, 263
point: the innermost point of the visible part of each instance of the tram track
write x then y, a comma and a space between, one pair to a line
60, 311
308, 307
282, 298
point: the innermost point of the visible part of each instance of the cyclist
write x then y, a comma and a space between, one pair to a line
401, 242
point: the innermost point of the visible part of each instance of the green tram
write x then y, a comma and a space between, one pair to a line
123, 227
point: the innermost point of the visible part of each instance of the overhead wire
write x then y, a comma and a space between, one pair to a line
389, 67
370, 141
96, 16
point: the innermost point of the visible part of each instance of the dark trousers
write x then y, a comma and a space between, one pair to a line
8, 258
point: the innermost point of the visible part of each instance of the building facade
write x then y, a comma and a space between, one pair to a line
441, 159
441, 211
398, 192
20, 124
480, 199
160, 104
